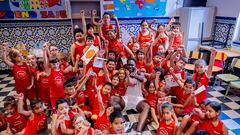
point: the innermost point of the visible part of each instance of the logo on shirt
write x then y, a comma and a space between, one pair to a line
21, 75
58, 81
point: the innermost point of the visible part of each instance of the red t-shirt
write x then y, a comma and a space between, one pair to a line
102, 122
152, 99
79, 49
163, 127
17, 122
201, 80
22, 77
33, 126
115, 45
105, 100
212, 130
140, 64
69, 74
182, 99
56, 80
121, 88
161, 41
144, 39
175, 90
177, 41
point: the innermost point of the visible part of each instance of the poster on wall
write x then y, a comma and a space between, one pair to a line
141, 8
33, 9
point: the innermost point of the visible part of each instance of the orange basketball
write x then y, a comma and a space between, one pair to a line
90, 54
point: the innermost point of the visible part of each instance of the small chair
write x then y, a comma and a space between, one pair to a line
229, 77
220, 59
234, 84
193, 56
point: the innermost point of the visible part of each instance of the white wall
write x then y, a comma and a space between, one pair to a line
226, 8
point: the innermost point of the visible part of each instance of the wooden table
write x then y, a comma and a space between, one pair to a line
230, 52
191, 68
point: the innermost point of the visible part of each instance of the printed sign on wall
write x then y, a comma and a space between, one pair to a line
33, 9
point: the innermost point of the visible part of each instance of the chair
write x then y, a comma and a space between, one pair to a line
193, 56
227, 78
234, 84
220, 59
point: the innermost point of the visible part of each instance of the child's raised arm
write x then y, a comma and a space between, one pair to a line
20, 98
94, 13
117, 26
101, 106
72, 50
180, 83
46, 59
211, 63
151, 25
4, 56
105, 70
83, 22
172, 20
174, 56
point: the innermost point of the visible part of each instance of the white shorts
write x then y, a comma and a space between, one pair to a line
131, 102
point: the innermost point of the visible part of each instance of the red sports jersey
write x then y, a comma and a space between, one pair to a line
182, 99
164, 128
17, 122
68, 124
115, 45
144, 39
102, 122
79, 49
56, 80
96, 41
39, 122
22, 77
152, 99
140, 64
122, 88
105, 100
177, 41
44, 89
176, 90
212, 130
105, 28
69, 74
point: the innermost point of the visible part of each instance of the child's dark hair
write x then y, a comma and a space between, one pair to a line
148, 84
132, 60
111, 60
54, 60
167, 105
140, 51
159, 54
158, 69
77, 30
201, 132
40, 64
69, 84
116, 75
106, 13
60, 101
216, 106
89, 37
175, 25
111, 51
34, 102
160, 25
143, 22
89, 26
190, 81
108, 83
10, 101
71, 101
72, 79
114, 115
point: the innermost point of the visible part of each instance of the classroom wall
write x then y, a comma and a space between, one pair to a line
225, 21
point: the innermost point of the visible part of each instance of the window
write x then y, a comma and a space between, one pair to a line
236, 35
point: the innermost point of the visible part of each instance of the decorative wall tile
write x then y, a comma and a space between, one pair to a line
34, 34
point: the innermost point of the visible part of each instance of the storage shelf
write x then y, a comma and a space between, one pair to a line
78, 16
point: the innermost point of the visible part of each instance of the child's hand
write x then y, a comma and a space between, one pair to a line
101, 53
45, 45
182, 46
97, 132
82, 13
29, 87
171, 70
4, 47
114, 17
61, 118
172, 20
154, 20
94, 12
18, 96
100, 23
197, 111
99, 88
213, 51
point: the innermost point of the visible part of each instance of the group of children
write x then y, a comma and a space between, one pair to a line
78, 93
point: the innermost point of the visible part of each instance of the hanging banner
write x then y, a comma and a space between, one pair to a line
33, 9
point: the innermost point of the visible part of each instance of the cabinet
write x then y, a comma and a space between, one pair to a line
86, 5
196, 22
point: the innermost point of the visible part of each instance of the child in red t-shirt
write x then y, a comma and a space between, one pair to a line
83, 127
16, 121
55, 75
37, 119
201, 75
66, 68
186, 98
105, 94
116, 124
151, 96
167, 124
62, 119
102, 122
176, 37
122, 87
21, 72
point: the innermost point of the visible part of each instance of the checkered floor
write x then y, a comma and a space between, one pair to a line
230, 114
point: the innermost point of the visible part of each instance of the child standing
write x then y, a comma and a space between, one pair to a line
56, 78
